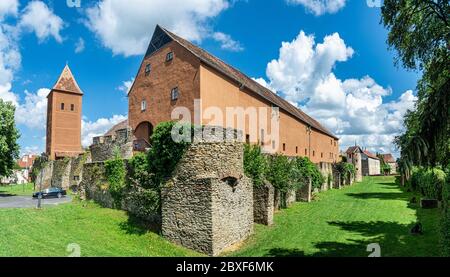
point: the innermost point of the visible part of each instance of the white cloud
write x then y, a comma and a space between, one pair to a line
125, 27
10, 60
33, 111
320, 7
264, 83
38, 18
126, 86
8, 7
227, 43
91, 129
354, 109
80, 46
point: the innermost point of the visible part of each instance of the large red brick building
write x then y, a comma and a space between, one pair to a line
64, 117
175, 72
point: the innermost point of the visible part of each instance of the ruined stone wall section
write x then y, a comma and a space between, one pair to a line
207, 205
263, 204
104, 148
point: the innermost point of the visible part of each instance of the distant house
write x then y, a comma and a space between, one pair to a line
389, 160
365, 162
22, 175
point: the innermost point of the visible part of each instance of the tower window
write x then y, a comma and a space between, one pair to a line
174, 94
247, 138
72, 107
314, 153
296, 149
321, 155
284, 146
148, 69
62, 106
306, 152
169, 56
143, 105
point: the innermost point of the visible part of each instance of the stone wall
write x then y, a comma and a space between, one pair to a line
327, 170
104, 148
207, 205
263, 204
66, 173
305, 192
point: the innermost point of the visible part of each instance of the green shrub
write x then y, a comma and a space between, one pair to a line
255, 164
279, 172
429, 182
139, 173
347, 170
165, 153
115, 173
302, 169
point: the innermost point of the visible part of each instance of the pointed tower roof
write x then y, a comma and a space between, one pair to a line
67, 83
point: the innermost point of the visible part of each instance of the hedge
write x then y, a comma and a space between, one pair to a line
429, 182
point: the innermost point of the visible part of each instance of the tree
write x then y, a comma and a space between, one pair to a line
419, 31
9, 149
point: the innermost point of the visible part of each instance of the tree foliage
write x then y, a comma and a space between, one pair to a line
165, 153
420, 33
302, 170
116, 172
9, 149
255, 164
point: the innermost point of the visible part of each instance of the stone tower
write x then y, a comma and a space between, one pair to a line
64, 118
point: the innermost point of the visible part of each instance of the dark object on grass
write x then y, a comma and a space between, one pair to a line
417, 229
429, 203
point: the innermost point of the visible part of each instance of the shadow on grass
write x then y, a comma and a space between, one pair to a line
137, 226
379, 195
394, 238
6, 194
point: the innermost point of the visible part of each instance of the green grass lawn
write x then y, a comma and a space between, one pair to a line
343, 222
98, 231
20, 190
340, 223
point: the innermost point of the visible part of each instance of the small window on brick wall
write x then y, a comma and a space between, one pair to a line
148, 69
143, 105
72, 107
175, 93
62, 106
169, 56
284, 146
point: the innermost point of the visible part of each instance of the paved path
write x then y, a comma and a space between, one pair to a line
28, 202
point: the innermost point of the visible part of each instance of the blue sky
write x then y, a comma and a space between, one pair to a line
340, 70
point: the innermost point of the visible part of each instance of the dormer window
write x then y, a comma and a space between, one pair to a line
148, 69
169, 56
174, 94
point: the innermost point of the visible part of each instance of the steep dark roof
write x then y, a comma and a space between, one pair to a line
388, 158
160, 38
120, 126
352, 149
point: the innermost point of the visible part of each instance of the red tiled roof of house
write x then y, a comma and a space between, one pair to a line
249, 83
370, 155
26, 161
